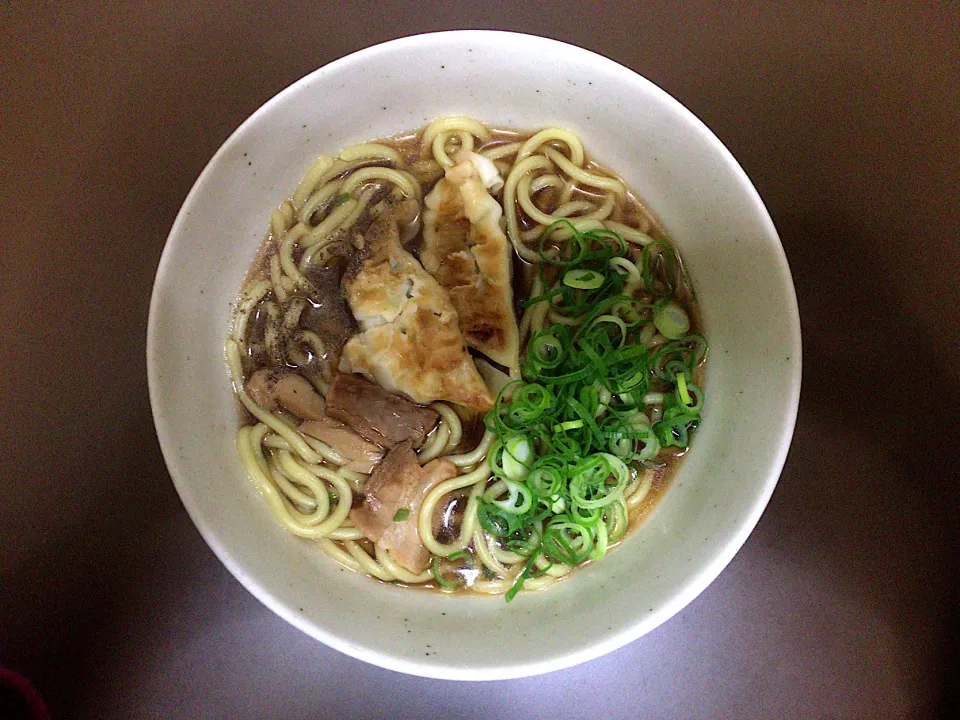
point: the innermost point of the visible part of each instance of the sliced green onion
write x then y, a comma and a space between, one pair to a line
547, 478
531, 402
586, 517
622, 447
651, 445
670, 267
401, 515
676, 430
574, 254
616, 519
619, 324
600, 236
688, 395
517, 457
518, 501
635, 380
526, 540
682, 389
546, 349
678, 356
591, 489
567, 542
671, 320
512, 592
438, 576
568, 432
492, 520
626, 312
600, 547
582, 279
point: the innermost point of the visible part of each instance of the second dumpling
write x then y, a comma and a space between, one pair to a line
469, 255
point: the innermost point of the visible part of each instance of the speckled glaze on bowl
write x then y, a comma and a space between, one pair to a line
723, 232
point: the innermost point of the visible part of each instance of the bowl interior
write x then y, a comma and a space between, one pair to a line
723, 233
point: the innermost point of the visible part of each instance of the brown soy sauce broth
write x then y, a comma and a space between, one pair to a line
628, 209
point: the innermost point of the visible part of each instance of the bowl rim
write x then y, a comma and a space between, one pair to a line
687, 590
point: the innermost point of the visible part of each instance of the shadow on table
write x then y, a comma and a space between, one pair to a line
873, 373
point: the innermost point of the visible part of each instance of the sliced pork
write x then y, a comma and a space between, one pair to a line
391, 504
376, 414
362, 454
270, 388
402, 538
383, 493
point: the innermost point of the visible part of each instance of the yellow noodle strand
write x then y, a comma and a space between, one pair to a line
477, 479
366, 151
549, 135
311, 181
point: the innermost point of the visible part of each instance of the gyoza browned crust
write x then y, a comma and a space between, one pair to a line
410, 342
469, 255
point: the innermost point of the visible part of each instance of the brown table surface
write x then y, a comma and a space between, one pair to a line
842, 604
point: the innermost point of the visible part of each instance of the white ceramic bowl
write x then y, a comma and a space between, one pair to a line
723, 233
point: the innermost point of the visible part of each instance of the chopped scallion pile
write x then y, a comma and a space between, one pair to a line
573, 431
